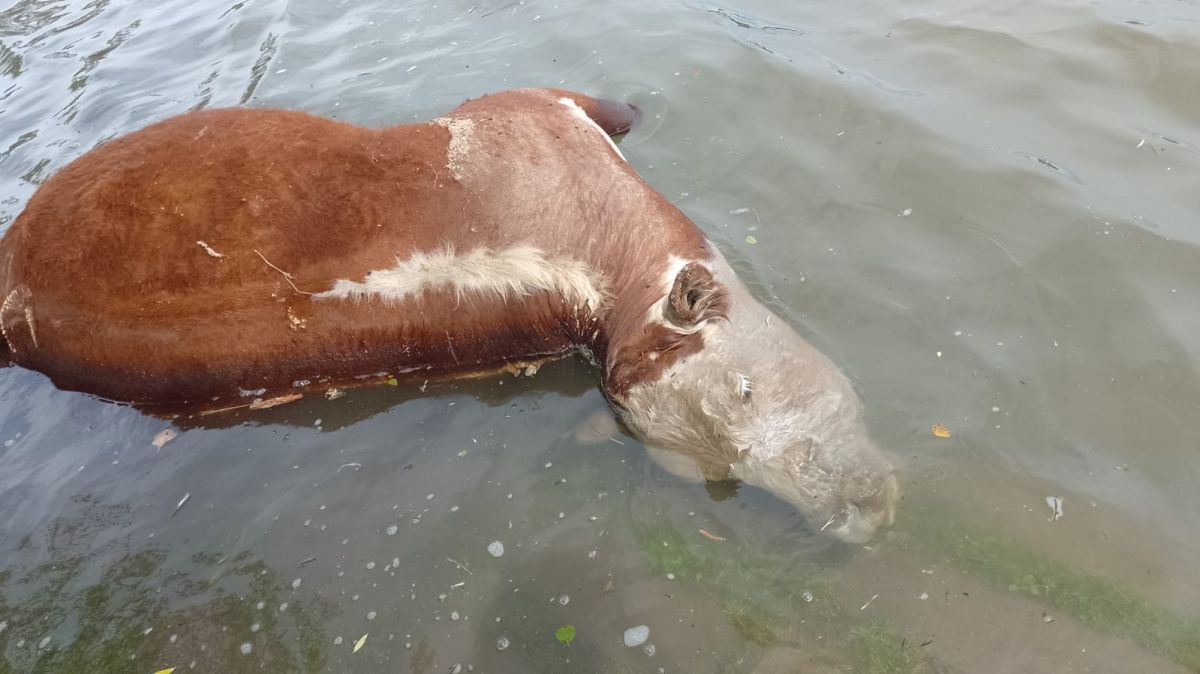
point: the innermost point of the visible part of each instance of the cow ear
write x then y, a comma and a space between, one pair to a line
695, 297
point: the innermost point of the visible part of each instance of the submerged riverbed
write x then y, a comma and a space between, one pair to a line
985, 213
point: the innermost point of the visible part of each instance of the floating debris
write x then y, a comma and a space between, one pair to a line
181, 502
260, 404
359, 644
296, 584
391, 530
711, 536
564, 600
1055, 504
1046, 618
636, 636
495, 549
354, 465
650, 650
940, 431
307, 560
454, 616
864, 606
246, 648
608, 587
807, 597
334, 394
494, 554
502, 643
565, 634
164, 436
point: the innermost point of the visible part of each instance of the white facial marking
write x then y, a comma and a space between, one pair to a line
518, 271
462, 133
578, 112
761, 402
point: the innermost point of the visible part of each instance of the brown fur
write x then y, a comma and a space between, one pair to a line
127, 305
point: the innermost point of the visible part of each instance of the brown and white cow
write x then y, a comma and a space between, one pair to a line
232, 257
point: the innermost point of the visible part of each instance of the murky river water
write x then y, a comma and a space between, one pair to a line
987, 213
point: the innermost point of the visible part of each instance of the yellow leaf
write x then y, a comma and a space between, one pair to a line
168, 670
359, 644
940, 431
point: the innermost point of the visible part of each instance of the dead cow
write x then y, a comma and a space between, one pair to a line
229, 255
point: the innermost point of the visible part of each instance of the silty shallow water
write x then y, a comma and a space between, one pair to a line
986, 213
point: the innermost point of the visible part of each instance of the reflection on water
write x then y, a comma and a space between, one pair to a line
984, 212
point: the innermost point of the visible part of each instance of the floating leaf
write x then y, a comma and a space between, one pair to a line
392, 381
751, 240
168, 670
359, 644
940, 431
164, 436
565, 634
711, 536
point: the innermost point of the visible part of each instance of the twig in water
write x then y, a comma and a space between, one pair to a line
181, 502
459, 566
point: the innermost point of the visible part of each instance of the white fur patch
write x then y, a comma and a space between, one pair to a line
462, 136
578, 112
518, 271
